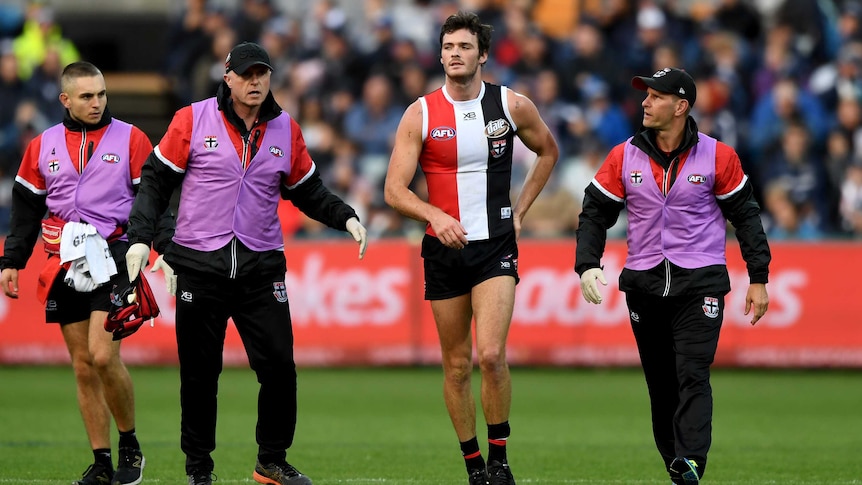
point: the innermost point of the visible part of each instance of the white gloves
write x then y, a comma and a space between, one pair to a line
136, 258
359, 234
589, 288
170, 277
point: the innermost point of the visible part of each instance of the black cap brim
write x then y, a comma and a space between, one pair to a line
641, 83
244, 67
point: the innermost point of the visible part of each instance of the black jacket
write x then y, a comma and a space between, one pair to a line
234, 260
600, 212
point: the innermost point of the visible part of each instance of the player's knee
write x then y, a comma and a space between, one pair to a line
493, 361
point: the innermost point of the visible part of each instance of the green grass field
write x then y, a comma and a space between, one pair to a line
389, 426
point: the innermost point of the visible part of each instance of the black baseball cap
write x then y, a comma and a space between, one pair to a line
669, 80
245, 55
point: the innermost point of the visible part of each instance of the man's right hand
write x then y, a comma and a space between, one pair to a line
589, 288
136, 258
9, 281
449, 230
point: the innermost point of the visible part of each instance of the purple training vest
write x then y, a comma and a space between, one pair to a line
686, 226
102, 195
219, 199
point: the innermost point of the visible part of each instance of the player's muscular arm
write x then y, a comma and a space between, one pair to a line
402, 168
536, 136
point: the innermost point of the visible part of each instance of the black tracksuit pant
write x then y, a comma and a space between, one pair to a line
259, 308
677, 338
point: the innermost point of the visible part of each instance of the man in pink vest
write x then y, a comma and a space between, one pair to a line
678, 186
234, 156
84, 170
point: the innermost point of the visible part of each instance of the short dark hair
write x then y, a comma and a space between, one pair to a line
76, 70
81, 69
471, 22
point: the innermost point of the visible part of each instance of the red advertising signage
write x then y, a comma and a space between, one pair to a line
371, 312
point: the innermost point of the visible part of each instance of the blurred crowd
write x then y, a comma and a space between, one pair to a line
779, 80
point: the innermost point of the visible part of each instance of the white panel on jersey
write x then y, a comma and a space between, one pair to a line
472, 167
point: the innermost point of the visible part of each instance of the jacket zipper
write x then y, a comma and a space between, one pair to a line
666, 183
233, 265
82, 152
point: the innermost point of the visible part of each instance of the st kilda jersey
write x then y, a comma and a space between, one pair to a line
467, 159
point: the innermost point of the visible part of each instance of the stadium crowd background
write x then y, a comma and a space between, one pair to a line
779, 80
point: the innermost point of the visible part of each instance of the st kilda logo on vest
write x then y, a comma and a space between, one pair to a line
496, 131
210, 142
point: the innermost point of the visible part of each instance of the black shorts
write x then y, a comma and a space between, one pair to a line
67, 305
454, 272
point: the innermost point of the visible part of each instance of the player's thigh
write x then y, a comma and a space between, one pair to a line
453, 317
493, 303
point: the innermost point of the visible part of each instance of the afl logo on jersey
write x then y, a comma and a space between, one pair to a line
111, 158
442, 133
497, 128
696, 179
276, 151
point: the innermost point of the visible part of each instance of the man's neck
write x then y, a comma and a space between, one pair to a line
464, 90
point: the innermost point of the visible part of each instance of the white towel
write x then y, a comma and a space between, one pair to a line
91, 263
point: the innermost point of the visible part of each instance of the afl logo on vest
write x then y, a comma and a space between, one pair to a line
696, 179
442, 133
276, 151
111, 158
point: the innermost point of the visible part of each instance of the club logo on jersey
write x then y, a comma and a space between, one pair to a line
442, 133
505, 213
111, 158
710, 307
696, 179
210, 142
276, 151
498, 148
497, 128
636, 178
53, 166
279, 290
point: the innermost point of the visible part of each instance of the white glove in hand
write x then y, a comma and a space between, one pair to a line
589, 288
359, 234
170, 277
136, 258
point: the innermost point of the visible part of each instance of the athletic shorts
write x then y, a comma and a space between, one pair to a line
67, 305
454, 272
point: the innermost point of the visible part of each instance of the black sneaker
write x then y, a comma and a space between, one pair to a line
282, 473
684, 471
478, 477
130, 467
201, 478
96, 474
500, 474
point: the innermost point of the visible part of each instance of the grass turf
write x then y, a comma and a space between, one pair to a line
389, 426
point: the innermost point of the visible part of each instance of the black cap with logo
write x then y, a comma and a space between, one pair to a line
669, 80
245, 55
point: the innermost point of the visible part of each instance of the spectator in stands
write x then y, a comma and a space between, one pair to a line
371, 124
851, 200
208, 69
785, 219
41, 32
796, 164
771, 114
585, 54
44, 85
